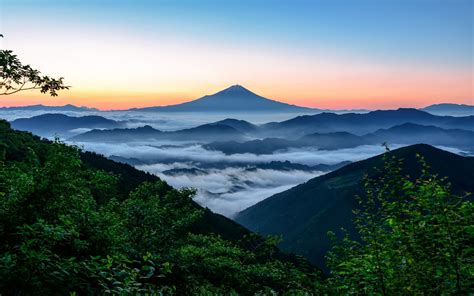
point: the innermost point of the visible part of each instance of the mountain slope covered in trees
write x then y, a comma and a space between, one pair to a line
77, 222
304, 214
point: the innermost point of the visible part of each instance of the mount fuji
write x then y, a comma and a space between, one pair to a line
233, 99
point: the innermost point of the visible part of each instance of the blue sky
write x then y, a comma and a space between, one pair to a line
431, 34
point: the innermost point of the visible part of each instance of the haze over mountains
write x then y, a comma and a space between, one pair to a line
450, 109
321, 131
207, 132
48, 125
363, 123
406, 134
238, 99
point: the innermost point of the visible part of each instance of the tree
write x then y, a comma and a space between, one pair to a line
16, 77
415, 238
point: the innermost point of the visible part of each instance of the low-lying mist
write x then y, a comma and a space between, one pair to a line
226, 184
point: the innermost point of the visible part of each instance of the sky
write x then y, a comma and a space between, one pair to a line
339, 54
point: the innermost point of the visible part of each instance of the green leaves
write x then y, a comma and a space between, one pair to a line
415, 236
16, 77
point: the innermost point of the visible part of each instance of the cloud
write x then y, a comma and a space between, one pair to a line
233, 187
80, 130
231, 190
195, 152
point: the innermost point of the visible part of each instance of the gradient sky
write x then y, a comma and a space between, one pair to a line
327, 53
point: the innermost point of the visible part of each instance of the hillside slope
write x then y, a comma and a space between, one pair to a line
304, 214
77, 223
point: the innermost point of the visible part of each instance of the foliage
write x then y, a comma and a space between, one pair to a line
16, 77
415, 238
65, 227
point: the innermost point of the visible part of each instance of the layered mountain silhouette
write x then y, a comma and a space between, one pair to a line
450, 109
322, 131
48, 125
233, 99
404, 134
40, 107
360, 124
304, 214
206, 132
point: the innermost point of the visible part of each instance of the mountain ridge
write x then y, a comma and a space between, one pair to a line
41, 107
198, 133
403, 134
49, 124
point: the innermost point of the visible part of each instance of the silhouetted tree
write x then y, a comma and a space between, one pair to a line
16, 77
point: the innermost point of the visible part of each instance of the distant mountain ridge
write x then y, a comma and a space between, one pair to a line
49, 124
450, 109
40, 107
206, 132
404, 134
323, 131
232, 99
360, 124
237, 91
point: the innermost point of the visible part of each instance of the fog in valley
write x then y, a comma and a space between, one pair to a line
225, 182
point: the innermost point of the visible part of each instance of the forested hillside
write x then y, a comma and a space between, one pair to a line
77, 222
304, 214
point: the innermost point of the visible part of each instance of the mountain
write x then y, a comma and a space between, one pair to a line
206, 132
240, 125
409, 133
91, 225
67, 107
304, 214
450, 109
360, 124
404, 134
47, 125
233, 99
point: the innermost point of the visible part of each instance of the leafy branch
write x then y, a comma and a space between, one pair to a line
16, 77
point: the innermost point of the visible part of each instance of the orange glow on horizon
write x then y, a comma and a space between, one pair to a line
111, 101
386, 92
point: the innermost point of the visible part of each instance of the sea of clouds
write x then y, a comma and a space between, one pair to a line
226, 184
228, 190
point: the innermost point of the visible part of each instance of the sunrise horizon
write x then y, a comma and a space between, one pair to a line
370, 104
323, 54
